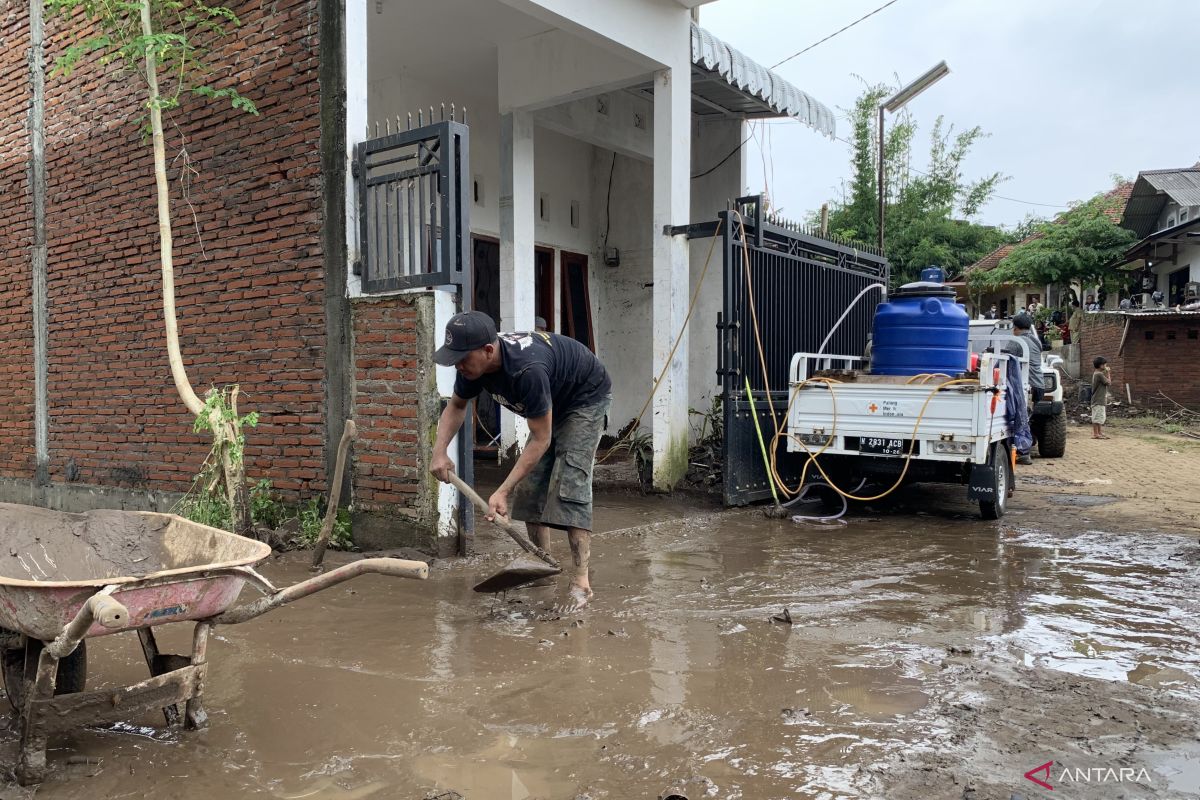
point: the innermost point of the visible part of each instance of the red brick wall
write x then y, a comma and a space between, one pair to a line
391, 400
249, 265
16, 239
1168, 363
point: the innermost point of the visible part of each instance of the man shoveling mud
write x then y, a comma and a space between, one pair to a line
563, 390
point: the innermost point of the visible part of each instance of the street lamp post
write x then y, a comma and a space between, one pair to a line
894, 104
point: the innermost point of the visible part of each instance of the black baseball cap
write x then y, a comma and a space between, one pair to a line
465, 332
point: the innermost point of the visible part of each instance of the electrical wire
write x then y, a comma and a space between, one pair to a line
793, 121
835, 33
734, 152
608, 207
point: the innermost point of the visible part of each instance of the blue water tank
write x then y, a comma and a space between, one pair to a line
933, 275
920, 329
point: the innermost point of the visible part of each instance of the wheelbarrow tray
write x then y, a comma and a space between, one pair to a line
165, 568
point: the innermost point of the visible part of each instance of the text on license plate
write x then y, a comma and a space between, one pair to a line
887, 447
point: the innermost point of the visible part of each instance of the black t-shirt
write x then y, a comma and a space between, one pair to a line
540, 372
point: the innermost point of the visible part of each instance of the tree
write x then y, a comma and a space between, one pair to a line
926, 216
164, 42
1078, 246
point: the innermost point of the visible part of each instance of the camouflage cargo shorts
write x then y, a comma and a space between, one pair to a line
557, 492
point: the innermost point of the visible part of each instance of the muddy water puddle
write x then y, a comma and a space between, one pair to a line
677, 676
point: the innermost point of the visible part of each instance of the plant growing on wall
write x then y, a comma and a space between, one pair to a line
166, 43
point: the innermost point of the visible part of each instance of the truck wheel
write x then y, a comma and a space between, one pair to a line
20, 665
999, 461
1053, 441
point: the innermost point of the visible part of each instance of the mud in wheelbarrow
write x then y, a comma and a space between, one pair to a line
67, 577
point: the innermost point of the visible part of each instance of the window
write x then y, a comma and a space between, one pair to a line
1171, 221
1183, 215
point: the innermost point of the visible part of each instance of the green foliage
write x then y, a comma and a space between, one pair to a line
218, 411
312, 517
1078, 246
183, 31
925, 222
267, 511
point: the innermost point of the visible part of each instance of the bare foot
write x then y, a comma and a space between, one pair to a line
576, 599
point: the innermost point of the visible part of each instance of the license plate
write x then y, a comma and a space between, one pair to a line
884, 447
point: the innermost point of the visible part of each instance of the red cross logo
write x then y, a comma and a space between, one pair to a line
872, 408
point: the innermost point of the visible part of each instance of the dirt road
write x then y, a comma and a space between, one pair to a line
930, 655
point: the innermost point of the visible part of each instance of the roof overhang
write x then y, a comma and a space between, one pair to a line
1136, 256
1151, 192
728, 85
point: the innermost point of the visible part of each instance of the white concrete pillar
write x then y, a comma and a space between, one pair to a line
672, 199
444, 307
517, 204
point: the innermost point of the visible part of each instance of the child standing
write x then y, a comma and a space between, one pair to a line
1101, 379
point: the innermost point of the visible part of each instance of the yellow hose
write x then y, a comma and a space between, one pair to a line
812, 457
761, 445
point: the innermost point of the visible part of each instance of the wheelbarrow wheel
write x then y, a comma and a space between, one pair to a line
20, 666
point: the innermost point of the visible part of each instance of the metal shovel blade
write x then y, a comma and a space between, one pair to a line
519, 572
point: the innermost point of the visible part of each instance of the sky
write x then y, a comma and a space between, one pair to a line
1071, 92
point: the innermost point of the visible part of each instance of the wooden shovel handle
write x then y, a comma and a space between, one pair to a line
502, 521
349, 432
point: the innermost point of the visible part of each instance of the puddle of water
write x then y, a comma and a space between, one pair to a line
677, 675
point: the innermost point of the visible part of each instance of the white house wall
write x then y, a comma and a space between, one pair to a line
711, 142
622, 295
1188, 257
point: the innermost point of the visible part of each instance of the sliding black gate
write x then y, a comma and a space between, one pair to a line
797, 284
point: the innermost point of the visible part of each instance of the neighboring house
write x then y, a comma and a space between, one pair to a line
1164, 212
1010, 298
594, 129
1155, 351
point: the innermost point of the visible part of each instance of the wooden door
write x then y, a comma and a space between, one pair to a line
576, 317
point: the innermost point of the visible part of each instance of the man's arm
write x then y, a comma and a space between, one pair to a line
540, 432
448, 425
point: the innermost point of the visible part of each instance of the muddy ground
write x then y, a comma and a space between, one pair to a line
930, 655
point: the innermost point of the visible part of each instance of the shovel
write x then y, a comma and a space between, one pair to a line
521, 570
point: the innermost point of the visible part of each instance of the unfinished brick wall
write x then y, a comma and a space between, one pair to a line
1161, 354
395, 407
16, 239
249, 264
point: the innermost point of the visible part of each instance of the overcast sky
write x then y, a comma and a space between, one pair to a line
1071, 91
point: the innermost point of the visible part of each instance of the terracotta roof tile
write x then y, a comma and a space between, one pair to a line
992, 260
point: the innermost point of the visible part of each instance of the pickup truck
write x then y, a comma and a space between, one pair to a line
896, 430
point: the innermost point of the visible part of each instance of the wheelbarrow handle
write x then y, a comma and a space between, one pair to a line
393, 567
100, 608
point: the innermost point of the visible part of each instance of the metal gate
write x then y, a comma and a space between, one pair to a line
797, 283
414, 226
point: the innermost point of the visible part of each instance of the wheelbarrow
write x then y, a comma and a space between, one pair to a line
65, 578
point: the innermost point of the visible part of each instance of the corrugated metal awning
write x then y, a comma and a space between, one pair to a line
1151, 192
725, 78
727, 84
